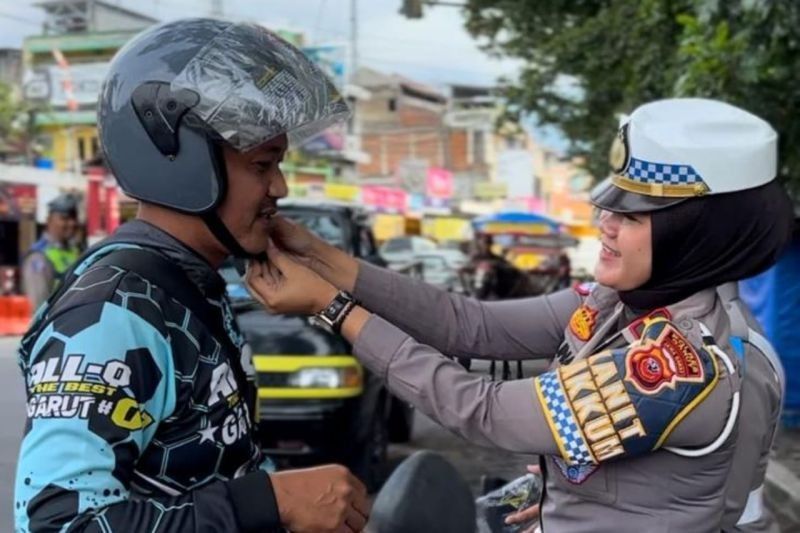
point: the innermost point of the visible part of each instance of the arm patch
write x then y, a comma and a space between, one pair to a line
626, 402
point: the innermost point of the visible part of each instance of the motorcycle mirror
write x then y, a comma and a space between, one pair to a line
425, 493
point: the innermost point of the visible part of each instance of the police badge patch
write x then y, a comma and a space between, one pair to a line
583, 322
663, 362
575, 474
619, 156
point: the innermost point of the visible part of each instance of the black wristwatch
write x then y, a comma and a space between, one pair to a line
334, 313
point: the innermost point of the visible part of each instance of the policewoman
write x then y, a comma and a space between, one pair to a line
51, 256
638, 417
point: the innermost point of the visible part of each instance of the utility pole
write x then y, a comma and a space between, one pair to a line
353, 39
353, 135
216, 9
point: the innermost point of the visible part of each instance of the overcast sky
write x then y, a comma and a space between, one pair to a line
436, 49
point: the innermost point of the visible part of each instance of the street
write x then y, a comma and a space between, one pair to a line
12, 418
470, 460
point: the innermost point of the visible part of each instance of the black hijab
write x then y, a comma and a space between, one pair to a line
707, 241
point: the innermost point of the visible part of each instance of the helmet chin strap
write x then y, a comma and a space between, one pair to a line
224, 236
214, 222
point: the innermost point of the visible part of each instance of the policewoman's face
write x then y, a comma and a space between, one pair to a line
255, 183
626, 256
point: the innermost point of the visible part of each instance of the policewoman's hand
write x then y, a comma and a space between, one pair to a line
325, 499
283, 285
332, 264
528, 514
295, 239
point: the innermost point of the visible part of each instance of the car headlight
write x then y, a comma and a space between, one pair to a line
325, 378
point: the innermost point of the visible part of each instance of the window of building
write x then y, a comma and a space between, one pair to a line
392, 104
82, 149
479, 147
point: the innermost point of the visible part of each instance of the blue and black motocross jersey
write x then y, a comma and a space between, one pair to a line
135, 419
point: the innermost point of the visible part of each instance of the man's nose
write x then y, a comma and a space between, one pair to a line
278, 188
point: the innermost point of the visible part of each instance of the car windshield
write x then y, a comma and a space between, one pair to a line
433, 262
397, 245
229, 273
425, 245
326, 225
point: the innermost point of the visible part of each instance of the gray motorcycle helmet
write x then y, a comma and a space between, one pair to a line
65, 204
177, 91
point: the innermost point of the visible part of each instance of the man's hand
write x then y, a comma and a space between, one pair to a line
283, 285
325, 499
528, 514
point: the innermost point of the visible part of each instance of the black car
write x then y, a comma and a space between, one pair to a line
316, 403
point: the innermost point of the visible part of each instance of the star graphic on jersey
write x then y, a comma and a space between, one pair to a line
207, 434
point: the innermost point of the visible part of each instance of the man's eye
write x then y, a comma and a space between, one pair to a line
263, 165
630, 217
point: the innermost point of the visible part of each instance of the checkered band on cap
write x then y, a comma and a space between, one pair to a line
563, 420
661, 173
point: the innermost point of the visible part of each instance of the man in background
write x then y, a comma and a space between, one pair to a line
51, 256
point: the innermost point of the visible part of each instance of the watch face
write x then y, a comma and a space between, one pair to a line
333, 308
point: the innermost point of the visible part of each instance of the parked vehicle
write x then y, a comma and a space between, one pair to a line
438, 271
405, 249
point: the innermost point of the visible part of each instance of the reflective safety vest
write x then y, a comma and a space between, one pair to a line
60, 258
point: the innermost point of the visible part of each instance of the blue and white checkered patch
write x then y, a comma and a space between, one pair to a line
660, 173
565, 424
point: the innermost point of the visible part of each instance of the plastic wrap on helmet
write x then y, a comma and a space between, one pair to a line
254, 86
517, 495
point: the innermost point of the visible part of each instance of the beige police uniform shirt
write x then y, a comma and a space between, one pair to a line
657, 491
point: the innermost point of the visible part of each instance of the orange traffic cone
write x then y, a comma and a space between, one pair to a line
5, 315
15, 315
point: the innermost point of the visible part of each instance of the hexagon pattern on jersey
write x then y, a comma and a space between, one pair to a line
166, 413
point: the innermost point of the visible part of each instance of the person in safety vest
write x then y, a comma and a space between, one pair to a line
51, 256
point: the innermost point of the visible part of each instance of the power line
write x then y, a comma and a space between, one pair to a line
20, 19
320, 9
388, 60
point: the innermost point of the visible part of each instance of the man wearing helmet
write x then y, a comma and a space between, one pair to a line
138, 411
52, 255
652, 367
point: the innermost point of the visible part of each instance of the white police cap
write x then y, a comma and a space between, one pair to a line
671, 150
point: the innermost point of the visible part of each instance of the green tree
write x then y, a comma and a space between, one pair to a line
8, 111
18, 128
586, 62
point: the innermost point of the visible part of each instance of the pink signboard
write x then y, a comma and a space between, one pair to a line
439, 183
388, 198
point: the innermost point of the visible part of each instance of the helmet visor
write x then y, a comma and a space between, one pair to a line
253, 86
